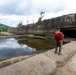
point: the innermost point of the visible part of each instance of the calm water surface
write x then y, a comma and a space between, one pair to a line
10, 47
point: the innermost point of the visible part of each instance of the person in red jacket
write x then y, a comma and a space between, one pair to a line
59, 36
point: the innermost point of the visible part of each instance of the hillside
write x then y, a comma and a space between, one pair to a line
4, 27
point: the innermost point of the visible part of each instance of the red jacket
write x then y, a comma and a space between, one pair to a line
59, 36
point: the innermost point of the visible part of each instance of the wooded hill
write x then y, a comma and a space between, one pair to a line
4, 27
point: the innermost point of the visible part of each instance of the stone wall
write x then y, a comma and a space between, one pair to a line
47, 26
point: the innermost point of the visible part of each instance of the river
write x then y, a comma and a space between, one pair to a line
10, 47
20, 46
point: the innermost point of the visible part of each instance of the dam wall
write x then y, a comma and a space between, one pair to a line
47, 27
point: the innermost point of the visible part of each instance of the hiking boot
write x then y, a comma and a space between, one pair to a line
55, 52
59, 53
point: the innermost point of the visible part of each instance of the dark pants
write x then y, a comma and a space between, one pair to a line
58, 45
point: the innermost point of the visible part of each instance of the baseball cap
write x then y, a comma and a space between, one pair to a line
58, 28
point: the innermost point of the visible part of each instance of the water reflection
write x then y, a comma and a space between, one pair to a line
11, 48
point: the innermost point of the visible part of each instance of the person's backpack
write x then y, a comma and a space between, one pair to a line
59, 36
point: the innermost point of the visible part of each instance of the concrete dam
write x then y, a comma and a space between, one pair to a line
67, 23
47, 63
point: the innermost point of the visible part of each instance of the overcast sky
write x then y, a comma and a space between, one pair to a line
14, 11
